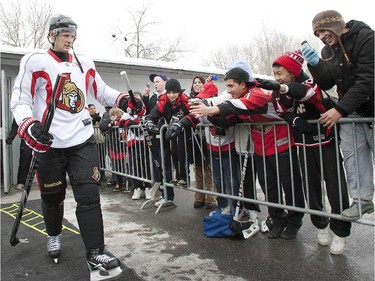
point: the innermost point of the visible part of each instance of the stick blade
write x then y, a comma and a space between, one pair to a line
15, 241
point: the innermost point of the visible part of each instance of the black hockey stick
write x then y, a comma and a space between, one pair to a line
125, 78
159, 180
58, 88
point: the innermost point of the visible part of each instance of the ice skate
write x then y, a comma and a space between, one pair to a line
102, 266
54, 247
252, 230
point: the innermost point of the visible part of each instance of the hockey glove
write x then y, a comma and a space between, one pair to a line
31, 130
124, 102
268, 85
301, 124
173, 131
151, 127
310, 55
138, 108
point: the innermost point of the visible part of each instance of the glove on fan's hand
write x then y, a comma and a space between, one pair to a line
31, 130
301, 124
173, 131
268, 85
310, 55
151, 127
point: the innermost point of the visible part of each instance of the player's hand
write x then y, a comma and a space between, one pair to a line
31, 130
173, 131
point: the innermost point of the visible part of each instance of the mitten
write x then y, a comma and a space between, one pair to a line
310, 55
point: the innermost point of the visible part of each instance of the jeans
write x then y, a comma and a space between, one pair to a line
226, 177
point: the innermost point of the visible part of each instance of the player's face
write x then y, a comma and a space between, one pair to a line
63, 41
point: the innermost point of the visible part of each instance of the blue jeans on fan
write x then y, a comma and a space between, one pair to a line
226, 176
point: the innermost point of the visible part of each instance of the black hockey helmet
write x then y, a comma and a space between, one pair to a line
60, 23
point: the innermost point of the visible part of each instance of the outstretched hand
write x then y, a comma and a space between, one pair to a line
268, 85
201, 110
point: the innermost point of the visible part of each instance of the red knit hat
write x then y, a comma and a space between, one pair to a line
208, 90
291, 61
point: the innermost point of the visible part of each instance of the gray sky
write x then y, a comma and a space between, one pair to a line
204, 25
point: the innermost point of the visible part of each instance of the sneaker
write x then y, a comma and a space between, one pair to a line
138, 193
97, 260
182, 183
198, 204
54, 246
20, 186
117, 188
175, 181
338, 245
163, 202
353, 213
148, 193
323, 236
289, 233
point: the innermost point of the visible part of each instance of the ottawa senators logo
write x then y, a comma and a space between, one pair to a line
73, 99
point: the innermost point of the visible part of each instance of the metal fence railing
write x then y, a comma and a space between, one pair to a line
213, 163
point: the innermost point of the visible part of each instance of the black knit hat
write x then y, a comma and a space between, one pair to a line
329, 20
173, 85
238, 74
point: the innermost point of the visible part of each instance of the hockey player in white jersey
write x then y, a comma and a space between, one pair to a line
69, 147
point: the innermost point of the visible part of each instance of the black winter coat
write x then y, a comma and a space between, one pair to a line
355, 82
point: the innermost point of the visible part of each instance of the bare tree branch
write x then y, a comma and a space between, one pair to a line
139, 46
25, 24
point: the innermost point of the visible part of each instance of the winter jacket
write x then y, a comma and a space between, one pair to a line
354, 80
165, 109
256, 106
308, 103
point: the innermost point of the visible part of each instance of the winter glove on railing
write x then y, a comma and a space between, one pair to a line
173, 131
301, 124
31, 130
310, 55
268, 85
151, 127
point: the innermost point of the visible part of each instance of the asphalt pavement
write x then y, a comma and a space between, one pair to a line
171, 246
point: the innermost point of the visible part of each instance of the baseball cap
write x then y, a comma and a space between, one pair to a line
161, 75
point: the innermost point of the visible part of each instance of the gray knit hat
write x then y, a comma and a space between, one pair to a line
329, 20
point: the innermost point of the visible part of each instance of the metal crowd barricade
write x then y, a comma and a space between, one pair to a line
213, 161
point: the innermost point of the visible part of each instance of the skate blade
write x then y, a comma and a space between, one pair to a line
251, 231
97, 275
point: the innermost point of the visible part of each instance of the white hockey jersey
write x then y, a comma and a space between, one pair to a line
33, 88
